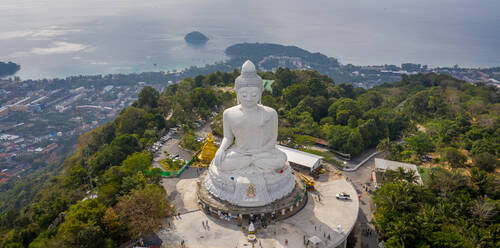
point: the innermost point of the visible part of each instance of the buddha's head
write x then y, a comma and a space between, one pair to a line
248, 85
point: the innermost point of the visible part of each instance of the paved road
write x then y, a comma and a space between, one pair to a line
361, 178
359, 158
172, 147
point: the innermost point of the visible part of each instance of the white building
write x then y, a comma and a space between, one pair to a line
77, 90
381, 165
107, 88
300, 158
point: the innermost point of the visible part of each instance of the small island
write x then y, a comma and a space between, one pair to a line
8, 69
196, 38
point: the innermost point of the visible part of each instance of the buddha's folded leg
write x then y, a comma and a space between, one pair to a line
272, 160
235, 161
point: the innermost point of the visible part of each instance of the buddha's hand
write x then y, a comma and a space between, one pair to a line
219, 156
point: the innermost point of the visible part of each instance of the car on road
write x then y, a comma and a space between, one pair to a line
173, 156
343, 196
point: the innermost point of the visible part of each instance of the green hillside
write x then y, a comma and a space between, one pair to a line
437, 115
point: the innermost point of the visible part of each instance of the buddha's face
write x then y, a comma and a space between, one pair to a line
248, 96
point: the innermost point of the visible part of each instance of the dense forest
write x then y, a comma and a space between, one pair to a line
109, 164
8, 69
457, 124
90, 202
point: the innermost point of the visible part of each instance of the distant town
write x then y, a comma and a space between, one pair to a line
36, 122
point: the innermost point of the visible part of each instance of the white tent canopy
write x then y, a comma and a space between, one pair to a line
315, 240
301, 158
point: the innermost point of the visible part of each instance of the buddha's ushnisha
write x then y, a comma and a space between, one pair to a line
248, 169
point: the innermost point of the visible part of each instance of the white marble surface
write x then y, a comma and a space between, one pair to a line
232, 186
248, 170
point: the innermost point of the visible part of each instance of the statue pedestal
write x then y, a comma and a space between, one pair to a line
249, 187
279, 209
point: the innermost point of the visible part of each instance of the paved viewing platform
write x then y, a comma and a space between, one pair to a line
319, 218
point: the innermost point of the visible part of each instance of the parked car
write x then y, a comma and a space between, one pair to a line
343, 196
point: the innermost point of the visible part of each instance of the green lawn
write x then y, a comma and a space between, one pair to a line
171, 165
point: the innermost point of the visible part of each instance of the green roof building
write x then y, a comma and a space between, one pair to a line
267, 85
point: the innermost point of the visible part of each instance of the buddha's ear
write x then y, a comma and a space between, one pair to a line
237, 100
261, 92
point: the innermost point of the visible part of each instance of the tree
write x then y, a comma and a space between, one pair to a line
484, 145
294, 94
114, 153
81, 227
454, 157
112, 225
268, 100
337, 136
137, 162
143, 209
343, 109
77, 176
306, 124
354, 145
203, 99
148, 98
285, 134
384, 145
370, 133
198, 81
370, 100
485, 161
316, 87
134, 120
396, 202
189, 141
120, 180
421, 143
285, 76
304, 140
400, 174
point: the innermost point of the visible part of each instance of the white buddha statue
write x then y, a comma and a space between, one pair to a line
248, 169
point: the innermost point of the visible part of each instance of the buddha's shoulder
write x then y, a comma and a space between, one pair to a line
268, 110
236, 110
230, 110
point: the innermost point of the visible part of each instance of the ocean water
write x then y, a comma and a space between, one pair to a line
57, 38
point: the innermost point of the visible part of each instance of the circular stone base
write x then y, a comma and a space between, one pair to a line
282, 208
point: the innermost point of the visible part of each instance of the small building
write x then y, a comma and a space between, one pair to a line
301, 159
321, 142
49, 148
267, 84
382, 165
315, 241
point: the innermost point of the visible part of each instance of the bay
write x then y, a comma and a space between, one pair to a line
58, 38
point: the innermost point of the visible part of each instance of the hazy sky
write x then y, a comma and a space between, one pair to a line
64, 37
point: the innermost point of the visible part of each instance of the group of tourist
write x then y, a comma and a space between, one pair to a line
205, 225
